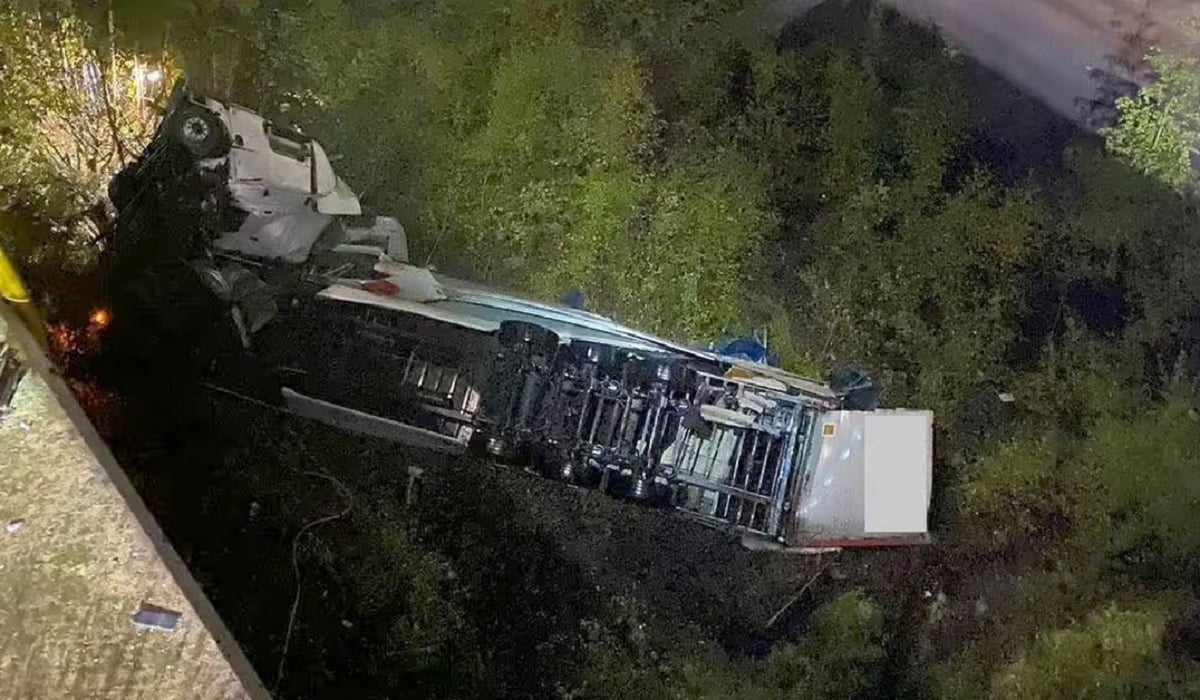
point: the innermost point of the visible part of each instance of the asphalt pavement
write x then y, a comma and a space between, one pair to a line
1044, 47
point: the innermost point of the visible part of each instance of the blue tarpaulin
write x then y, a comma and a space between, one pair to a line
745, 348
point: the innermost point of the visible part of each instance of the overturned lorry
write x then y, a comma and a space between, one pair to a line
243, 227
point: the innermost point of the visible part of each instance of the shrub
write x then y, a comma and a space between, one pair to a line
1102, 658
1024, 495
840, 658
709, 675
404, 593
1150, 468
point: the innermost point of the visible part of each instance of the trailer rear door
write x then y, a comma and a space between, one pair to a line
865, 481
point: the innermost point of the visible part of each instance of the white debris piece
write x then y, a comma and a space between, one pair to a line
387, 233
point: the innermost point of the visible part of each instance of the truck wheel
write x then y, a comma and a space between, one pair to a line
200, 131
123, 189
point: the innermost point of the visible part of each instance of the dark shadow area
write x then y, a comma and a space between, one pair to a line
493, 583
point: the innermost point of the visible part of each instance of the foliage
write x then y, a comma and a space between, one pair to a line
1024, 492
849, 91
392, 577
681, 273
1102, 658
1031, 603
710, 675
620, 662
897, 271
1158, 128
693, 179
1129, 230
531, 158
841, 658
1149, 464
927, 288
1127, 486
71, 113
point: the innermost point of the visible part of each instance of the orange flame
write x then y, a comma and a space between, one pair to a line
100, 318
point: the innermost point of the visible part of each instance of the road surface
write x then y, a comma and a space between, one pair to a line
94, 602
1043, 46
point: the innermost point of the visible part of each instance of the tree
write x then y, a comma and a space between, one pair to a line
72, 112
1158, 128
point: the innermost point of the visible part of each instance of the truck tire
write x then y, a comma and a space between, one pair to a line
199, 131
123, 190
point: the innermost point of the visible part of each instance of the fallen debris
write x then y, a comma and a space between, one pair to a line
153, 617
794, 599
349, 505
14, 526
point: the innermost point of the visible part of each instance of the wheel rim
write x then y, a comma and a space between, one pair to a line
195, 130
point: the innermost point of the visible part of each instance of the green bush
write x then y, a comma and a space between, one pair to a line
842, 656
389, 576
1024, 496
1020, 607
682, 175
909, 276
839, 658
1102, 658
682, 274
710, 675
1149, 465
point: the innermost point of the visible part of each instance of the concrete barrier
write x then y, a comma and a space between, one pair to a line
94, 601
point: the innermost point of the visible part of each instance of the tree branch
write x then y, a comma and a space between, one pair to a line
110, 113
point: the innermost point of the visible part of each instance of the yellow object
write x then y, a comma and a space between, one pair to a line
11, 287
13, 291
